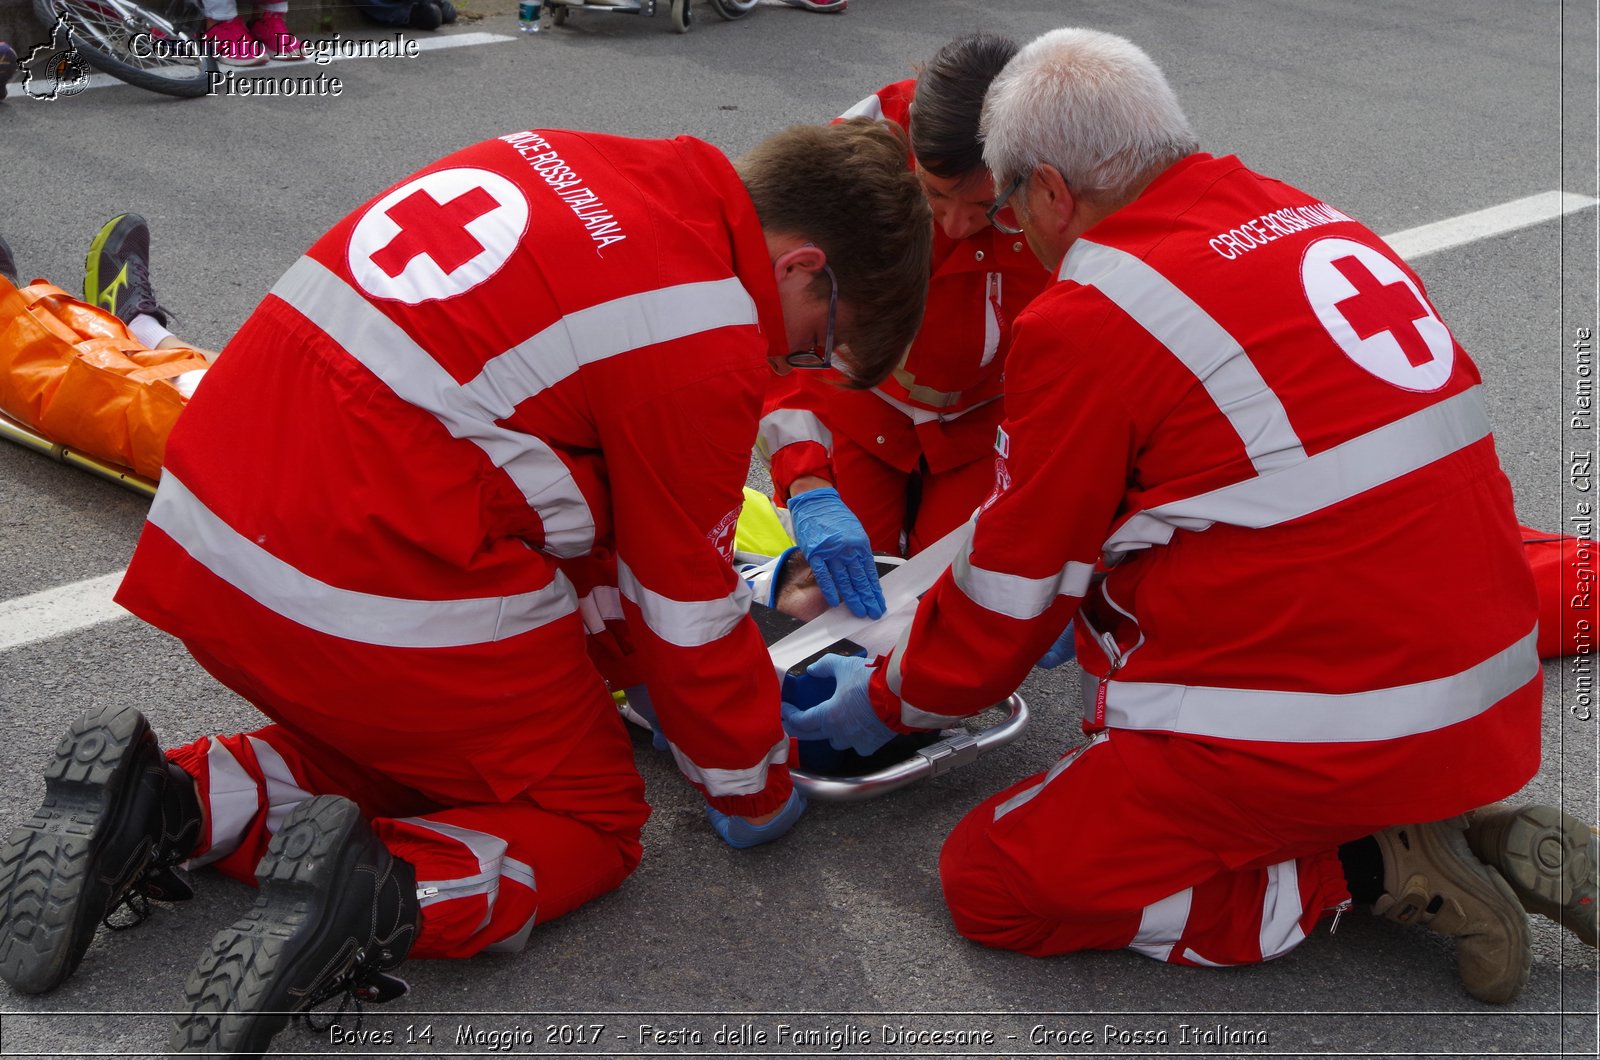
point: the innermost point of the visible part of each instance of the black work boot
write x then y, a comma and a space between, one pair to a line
117, 818
335, 913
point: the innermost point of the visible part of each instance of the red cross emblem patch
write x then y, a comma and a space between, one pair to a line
1376, 314
437, 236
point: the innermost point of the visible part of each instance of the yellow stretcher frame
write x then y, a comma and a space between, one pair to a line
15, 432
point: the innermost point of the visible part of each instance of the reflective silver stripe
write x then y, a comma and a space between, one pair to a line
910, 716
1204, 346
1281, 910
871, 107
1027, 794
385, 349
686, 623
232, 798
517, 941
1191, 955
586, 336
782, 427
490, 850
1319, 717
1161, 925
362, 617
991, 319
1332, 476
919, 416
283, 791
1382, 455
1013, 595
913, 718
749, 781
493, 866
892, 676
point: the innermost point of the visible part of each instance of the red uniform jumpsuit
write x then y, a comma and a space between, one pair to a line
1317, 619
927, 431
528, 371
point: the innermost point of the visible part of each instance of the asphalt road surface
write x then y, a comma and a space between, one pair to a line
833, 942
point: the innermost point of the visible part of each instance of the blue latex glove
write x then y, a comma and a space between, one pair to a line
845, 719
1063, 650
836, 546
740, 834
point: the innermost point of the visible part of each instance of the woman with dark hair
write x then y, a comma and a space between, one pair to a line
895, 467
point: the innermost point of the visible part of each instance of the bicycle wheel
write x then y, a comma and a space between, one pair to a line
135, 44
732, 9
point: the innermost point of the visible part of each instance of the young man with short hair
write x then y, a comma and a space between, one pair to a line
514, 390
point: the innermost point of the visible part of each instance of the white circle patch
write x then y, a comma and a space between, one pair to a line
437, 236
1376, 314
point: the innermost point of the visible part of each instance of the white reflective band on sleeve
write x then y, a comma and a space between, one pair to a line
871, 107
586, 336
1281, 910
232, 797
283, 791
384, 348
362, 617
1204, 346
782, 427
493, 866
1013, 595
1319, 717
1161, 925
910, 716
686, 623
725, 782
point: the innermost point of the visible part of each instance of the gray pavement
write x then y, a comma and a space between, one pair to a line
1400, 113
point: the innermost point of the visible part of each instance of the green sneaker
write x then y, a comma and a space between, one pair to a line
1548, 857
116, 274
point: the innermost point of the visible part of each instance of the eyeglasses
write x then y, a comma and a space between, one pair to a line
993, 213
811, 358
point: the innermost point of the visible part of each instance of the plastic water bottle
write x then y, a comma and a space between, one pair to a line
528, 16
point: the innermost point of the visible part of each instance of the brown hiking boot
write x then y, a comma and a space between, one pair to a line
1431, 878
1547, 856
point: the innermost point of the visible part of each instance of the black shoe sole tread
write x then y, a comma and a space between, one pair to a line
247, 986
49, 905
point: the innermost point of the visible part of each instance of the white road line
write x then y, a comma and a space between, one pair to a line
55, 612
309, 69
1417, 242
59, 611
